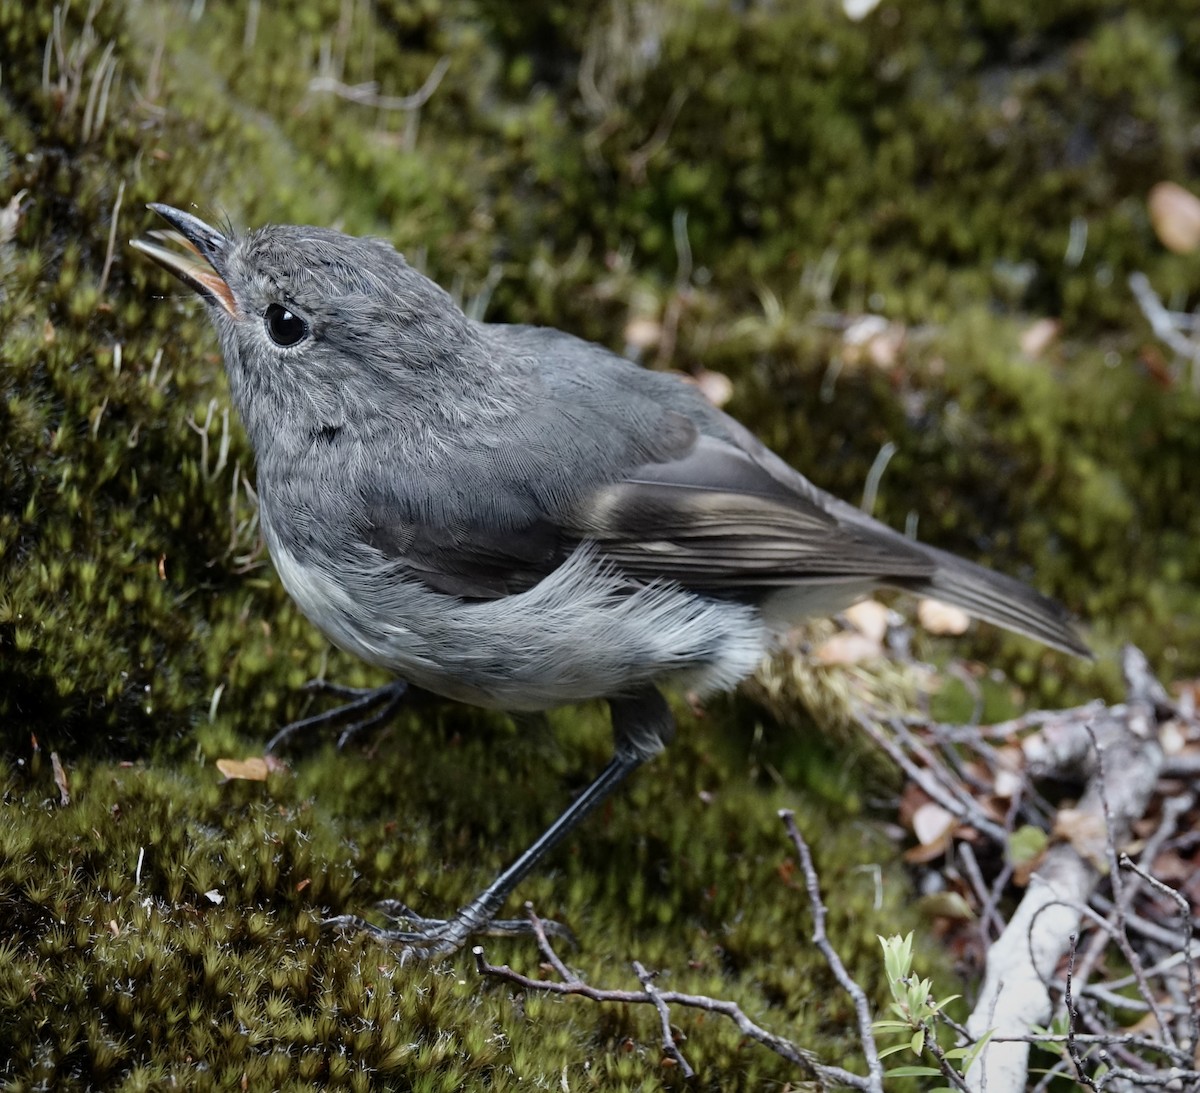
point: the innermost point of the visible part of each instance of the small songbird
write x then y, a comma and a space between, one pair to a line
519, 519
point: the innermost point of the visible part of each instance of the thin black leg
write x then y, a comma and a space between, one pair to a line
439, 937
641, 725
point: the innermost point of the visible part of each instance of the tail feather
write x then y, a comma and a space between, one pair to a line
1002, 600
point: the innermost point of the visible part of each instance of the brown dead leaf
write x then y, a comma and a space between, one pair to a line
1007, 783
936, 617
949, 905
60, 780
10, 217
1086, 833
1175, 214
912, 797
923, 853
255, 769
1146, 1025
1156, 366
1038, 336
1172, 868
1010, 771
847, 648
928, 822
869, 618
932, 824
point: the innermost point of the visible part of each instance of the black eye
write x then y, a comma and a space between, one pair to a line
284, 327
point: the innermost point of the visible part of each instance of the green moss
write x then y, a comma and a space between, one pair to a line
179, 919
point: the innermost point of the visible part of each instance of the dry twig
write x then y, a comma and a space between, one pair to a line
810, 1067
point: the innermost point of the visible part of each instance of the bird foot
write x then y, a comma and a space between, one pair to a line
423, 938
365, 708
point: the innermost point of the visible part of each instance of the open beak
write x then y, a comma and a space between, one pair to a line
198, 265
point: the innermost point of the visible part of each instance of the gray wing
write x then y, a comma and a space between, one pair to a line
730, 519
471, 559
711, 519
716, 520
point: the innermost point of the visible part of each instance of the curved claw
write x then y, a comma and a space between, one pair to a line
425, 938
434, 938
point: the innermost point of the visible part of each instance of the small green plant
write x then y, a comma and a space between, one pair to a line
917, 1013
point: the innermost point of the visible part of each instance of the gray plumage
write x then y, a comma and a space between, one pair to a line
514, 517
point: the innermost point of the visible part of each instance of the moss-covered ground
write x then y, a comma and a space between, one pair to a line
734, 177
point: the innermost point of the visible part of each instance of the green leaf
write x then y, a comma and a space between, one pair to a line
973, 1052
897, 956
950, 905
918, 997
1026, 844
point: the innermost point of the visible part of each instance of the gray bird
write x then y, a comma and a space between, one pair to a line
519, 519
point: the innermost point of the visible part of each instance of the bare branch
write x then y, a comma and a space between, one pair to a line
804, 1060
1187, 930
1164, 323
862, 1007
955, 801
1081, 1073
664, 1015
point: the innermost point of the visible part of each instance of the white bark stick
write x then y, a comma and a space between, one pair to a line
1025, 957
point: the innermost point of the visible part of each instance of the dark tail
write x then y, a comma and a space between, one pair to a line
1001, 600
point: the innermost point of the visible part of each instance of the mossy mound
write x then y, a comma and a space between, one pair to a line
743, 180
164, 928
